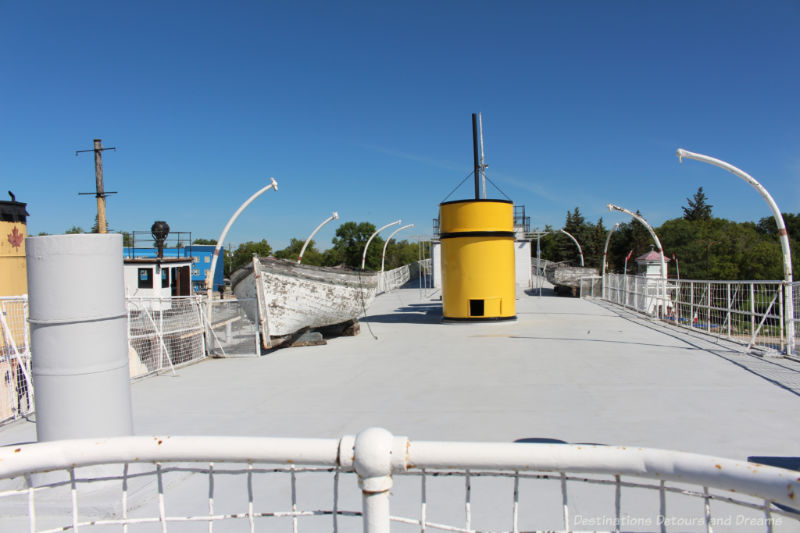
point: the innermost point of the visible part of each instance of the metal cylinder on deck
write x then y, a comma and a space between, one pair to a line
78, 323
477, 239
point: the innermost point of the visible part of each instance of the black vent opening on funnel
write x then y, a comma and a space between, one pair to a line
476, 308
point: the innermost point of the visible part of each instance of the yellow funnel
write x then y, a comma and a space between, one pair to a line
477, 260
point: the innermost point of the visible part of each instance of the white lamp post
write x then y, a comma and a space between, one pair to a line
580, 250
334, 216
783, 235
612, 207
210, 279
364, 255
395, 232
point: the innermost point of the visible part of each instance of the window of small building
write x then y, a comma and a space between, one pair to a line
145, 278
164, 277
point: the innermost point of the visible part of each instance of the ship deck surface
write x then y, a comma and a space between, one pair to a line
572, 370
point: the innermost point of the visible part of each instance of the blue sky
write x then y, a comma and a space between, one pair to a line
365, 108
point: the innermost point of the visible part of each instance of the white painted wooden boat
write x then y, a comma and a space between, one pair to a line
286, 297
568, 277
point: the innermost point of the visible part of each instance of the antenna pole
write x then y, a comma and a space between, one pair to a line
476, 155
483, 161
98, 176
100, 192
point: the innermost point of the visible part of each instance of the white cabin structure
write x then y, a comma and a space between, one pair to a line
649, 267
156, 280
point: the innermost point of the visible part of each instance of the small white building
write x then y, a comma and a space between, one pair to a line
653, 296
156, 280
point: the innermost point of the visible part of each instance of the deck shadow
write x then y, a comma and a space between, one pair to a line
409, 314
545, 292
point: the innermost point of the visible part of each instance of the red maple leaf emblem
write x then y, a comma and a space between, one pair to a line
15, 238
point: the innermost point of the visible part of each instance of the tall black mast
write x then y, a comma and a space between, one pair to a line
476, 155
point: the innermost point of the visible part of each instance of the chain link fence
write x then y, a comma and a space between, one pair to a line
591, 287
232, 333
796, 308
16, 385
164, 333
748, 312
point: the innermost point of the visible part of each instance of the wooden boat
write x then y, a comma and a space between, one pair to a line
285, 297
566, 278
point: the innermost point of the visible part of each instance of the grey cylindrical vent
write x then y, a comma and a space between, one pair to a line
78, 324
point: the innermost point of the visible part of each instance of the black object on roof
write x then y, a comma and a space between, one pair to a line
13, 211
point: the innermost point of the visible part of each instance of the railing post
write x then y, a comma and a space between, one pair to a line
160, 335
781, 315
729, 310
708, 307
376, 453
752, 309
691, 304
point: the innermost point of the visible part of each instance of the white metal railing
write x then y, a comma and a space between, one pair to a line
796, 307
16, 385
392, 279
164, 332
748, 312
381, 483
395, 278
590, 287
232, 332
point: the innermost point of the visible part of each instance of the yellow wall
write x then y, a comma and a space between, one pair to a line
13, 276
477, 264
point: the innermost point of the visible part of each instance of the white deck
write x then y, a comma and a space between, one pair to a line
567, 369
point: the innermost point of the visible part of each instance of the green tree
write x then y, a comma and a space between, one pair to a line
768, 228
244, 253
73, 230
127, 238
400, 253
591, 237
698, 207
349, 242
205, 241
312, 256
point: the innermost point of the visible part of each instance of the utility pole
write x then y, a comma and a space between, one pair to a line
100, 192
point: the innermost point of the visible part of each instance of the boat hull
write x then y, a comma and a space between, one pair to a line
567, 276
298, 296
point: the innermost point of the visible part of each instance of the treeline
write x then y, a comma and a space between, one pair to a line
705, 247
347, 249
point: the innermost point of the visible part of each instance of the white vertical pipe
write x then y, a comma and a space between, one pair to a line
78, 322
783, 235
364, 255
483, 163
333, 216
372, 460
605, 255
